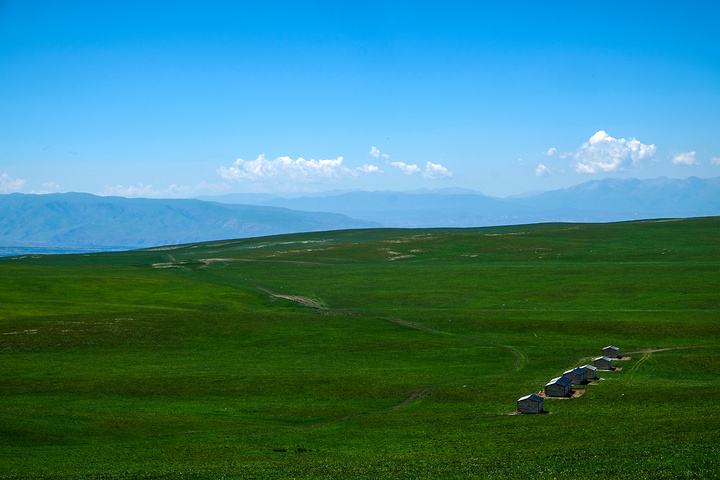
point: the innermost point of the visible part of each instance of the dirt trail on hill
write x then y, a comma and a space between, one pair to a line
520, 358
405, 323
308, 302
646, 353
649, 350
415, 395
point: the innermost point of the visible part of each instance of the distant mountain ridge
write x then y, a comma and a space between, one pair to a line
613, 199
84, 222
594, 201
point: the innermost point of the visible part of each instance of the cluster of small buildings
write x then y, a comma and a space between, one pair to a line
562, 386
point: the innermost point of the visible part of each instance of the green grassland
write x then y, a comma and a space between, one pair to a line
366, 354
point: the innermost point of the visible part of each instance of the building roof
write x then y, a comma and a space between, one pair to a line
532, 396
564, 381
607, 359
578, 370
610, 346
589, 367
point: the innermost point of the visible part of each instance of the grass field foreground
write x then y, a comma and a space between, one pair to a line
384, 353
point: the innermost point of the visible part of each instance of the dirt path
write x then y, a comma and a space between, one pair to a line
648, 350
643, 359
337, 420
308, 302
422, 392
520, 358
415, 395
405, 323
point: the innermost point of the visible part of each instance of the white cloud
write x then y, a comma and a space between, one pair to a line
603, 153
432, 170
369, 169
405, 168
50, 187
9, 184
551, 151
172, 191
148, 191
285, 169
542, 170
715, 161
435, 170
129, 191
375, 152
685, 158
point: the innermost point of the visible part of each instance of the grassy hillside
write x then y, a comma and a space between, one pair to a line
366, 354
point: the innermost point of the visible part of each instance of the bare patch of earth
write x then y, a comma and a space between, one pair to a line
24, 332
209, 261
308, 302
160, 249
305, 301
573, 394
407, 324
518, 413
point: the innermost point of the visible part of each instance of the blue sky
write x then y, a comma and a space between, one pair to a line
178, 99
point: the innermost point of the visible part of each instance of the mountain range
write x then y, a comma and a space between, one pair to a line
82, 222
68, 222
604, 200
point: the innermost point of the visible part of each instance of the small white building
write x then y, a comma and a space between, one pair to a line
577, 376
530, 404
611, 352
558, 387
590, 372
603, 363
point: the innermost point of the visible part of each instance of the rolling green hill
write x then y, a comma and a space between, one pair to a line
380, 353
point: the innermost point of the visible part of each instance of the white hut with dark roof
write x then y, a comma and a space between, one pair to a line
611, 352
558, 387
590, 372
603, 363
577, 376
530, 404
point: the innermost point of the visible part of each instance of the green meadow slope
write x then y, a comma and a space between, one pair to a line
386, 353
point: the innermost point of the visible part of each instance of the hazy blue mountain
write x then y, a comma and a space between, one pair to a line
594, 201
83, 222
408, 209
240, 198
78, 220
614, 199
